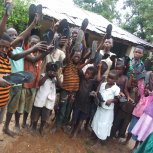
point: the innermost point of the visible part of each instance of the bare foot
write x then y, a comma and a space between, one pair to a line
9, 132
54, 130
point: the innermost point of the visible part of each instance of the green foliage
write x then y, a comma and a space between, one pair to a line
106, 8
19, 16
140, 19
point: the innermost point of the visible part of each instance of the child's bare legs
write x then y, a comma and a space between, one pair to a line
25, 116
17, 119
6, 129
135, 146
76, 129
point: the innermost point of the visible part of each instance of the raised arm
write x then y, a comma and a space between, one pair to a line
25, 33
3, 24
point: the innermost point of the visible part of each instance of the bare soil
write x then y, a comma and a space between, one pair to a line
59, 142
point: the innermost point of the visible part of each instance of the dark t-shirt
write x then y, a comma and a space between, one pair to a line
83, 99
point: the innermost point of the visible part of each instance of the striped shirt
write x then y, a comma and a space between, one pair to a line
5, 68
71, 77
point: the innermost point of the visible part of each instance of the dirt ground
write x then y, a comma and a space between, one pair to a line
59, 142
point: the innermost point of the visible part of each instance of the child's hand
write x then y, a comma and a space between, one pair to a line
108, 102
100, 64
130, 99
93, 93
41, 46
4, 83
122, 94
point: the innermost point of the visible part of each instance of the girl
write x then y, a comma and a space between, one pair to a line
103, 119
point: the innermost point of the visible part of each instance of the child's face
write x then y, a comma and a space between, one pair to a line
12, 33
108, 44
138, 53
119, 69
76, 58
88, 75
111, 79
4, 46
51, 74
33, 41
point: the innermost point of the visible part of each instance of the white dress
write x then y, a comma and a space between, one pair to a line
104, 116
46, 94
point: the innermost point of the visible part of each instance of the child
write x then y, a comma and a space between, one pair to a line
69, 88
103, 119
82, 101
144, 126
106, 54
45, 97
137, 70
122, 113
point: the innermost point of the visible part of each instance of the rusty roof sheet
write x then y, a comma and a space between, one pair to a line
59, 9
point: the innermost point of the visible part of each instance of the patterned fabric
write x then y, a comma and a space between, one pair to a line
71, 77
146, 146
5, 68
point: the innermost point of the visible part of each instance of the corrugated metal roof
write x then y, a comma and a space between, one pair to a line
59, 9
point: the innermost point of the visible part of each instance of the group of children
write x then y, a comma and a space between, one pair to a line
104, 93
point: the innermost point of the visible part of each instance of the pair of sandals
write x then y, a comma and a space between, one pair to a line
33, 10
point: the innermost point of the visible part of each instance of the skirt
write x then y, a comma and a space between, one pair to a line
102, 122
143, 128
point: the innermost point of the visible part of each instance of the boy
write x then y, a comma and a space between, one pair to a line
83, 100
122, 114
17, 64
45, 97
106, 55
32, 63
69, 88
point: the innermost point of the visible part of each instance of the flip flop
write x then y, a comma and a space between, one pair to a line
94, 48
32, 13
63, 28
109, 31
19, 77
39, 12
8, 9
48, 36
84, 25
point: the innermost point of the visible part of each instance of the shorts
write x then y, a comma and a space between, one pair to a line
133, 122
38, 112
2, 112
78, 115
15, 95
27, 100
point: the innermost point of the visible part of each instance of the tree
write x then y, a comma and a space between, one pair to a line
139, 20
19, 16
106, 8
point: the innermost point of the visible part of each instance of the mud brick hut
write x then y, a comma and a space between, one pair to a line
124, 42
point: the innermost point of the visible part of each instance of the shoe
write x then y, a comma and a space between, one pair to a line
19, 77
94, 48
32, 13
8, 9
39, 12
109, 31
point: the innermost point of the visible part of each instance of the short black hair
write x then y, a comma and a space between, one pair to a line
114, 72
34, 36
93, 70
120, 62
51, 67
140, 47
5, 37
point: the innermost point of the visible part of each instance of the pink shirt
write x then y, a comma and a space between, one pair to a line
144, 101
